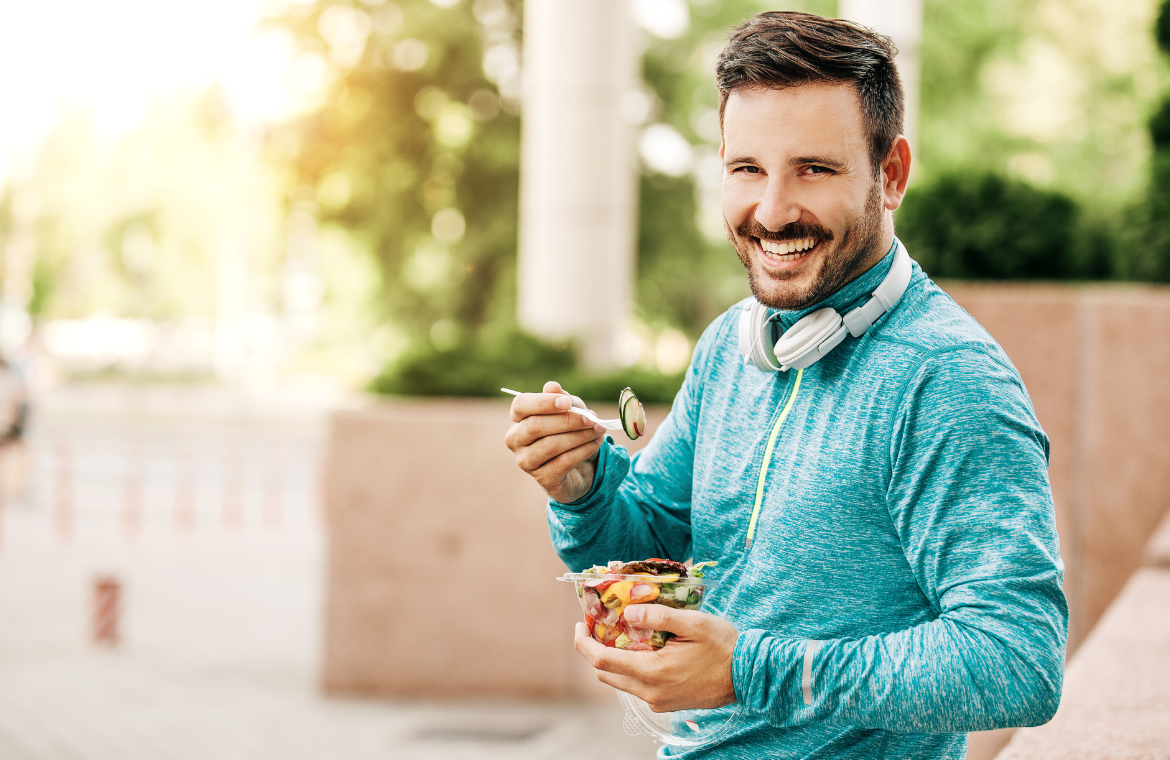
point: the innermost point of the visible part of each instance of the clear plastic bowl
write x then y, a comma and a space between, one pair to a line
680, 728
604, 603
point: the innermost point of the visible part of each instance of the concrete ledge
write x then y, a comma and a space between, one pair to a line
1116, 701
1158, 550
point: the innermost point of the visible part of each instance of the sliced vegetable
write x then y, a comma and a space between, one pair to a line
643, 592
591, 603
699, 568
617, 596
632, 415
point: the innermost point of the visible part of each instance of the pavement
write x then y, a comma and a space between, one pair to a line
204, 504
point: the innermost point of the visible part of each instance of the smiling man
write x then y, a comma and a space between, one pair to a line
857, 453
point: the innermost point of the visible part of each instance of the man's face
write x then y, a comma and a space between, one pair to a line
801, 202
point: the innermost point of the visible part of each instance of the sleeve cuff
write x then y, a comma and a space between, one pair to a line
766, 672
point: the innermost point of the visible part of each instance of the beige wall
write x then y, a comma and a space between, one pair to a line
440, 569
441, 573
1096, 361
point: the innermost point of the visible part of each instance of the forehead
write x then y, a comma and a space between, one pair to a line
806, 120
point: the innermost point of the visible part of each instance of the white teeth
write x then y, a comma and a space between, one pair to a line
787, 251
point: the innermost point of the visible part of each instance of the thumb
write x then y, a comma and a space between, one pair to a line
658, 617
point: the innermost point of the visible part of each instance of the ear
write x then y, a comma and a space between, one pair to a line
895, 173
721, 147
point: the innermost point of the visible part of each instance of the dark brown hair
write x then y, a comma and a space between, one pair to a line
781, 49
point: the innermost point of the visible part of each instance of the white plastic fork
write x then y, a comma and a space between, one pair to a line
581, 410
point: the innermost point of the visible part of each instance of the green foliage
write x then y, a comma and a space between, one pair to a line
514, 360
1160, 127
1162, 28
43, 281
1145, 250
394, 149
1051, 92
985, 226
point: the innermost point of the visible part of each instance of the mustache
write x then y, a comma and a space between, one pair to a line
797, 230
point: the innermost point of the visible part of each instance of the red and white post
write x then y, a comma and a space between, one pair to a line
107, 608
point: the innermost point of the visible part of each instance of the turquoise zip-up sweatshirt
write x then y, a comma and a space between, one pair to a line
903, 582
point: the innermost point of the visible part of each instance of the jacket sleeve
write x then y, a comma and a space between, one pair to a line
970, 500
639, 507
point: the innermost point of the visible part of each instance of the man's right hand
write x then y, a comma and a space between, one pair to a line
555, 446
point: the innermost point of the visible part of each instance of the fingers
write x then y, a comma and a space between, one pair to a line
544, 429
657, 617
553, 470
620, 669
528, 404
544, 450
611, 660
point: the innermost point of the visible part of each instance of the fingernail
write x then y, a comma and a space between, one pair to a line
562, 402
634, 615
598, 429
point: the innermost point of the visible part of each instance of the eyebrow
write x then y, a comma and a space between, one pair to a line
831, 163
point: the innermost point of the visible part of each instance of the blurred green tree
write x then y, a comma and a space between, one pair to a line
1144, 253
415, 153
986, 226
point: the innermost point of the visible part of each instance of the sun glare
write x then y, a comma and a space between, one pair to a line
113, 58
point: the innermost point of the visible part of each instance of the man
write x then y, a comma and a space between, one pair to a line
889, 575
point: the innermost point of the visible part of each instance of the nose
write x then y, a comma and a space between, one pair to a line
776, 207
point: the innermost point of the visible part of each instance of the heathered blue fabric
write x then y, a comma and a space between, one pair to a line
907, 523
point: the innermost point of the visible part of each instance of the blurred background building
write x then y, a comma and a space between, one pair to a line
219, 225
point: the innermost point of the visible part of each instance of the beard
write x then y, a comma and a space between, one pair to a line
842, 261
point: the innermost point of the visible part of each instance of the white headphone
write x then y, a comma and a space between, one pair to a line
818, 333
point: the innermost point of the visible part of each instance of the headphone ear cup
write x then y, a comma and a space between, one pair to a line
807, 335
755, 337
745, 331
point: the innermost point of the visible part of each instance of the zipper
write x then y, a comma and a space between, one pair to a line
751, 532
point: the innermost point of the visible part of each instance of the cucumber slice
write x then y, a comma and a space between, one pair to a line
632, 414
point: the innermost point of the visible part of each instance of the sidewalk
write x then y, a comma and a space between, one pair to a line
222, 577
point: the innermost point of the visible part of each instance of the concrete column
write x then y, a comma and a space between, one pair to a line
577, 177
901, 20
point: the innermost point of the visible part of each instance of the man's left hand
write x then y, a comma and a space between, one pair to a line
692, 671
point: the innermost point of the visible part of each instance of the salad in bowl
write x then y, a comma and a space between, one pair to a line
607, 591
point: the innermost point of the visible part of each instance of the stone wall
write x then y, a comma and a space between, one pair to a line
1096, 361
